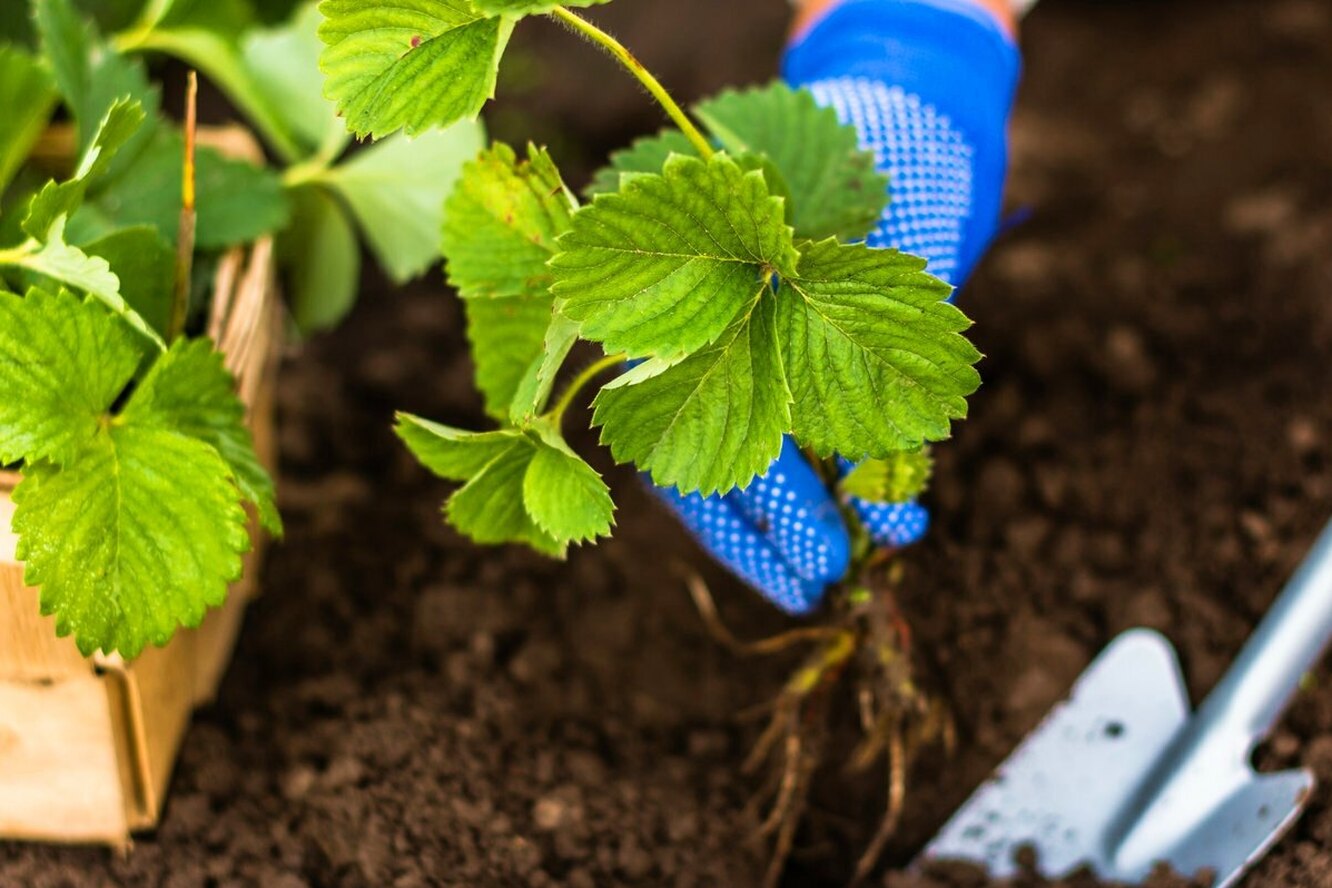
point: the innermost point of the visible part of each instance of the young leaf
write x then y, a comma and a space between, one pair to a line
189, 391
895, 479
836, 188
529, 7
645, 155
493, 505
662, 268
710, 423
507, 335
396, 189
501, 224
139, 534
410, 66
28, 92
62, 364
322, 259
874, 355
565, 496
58, 200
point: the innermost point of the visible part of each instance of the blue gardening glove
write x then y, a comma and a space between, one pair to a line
928, 84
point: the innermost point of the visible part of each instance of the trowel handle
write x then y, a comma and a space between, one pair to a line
1286, 645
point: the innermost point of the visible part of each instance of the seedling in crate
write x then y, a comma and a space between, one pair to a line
719, 269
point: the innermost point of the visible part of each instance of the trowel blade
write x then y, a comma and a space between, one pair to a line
1060, 790
1065, 790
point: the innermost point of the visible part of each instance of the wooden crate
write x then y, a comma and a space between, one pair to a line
87, 745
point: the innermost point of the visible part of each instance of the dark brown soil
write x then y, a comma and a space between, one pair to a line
1152, 448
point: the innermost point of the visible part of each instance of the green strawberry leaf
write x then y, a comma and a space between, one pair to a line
145, 264
140, 534
57, 200
131, 524
874, 353
836, 188
68, 265
410, 66
507, 335
236, 201
396, 191
535, 387
645, 155
895, 479
493, 505
662, 268
501, 224
190, 391
565, 496
62, 363
710, 423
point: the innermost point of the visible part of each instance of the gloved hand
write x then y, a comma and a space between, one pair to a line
928, 85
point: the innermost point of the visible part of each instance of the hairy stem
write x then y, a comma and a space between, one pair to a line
581, 26
580, 382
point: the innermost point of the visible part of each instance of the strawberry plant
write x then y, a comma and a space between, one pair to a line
136, 463
720, 269
717, 266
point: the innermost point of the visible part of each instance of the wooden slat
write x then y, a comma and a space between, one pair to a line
59, 779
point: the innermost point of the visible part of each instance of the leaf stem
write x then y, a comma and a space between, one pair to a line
580, 382
582, 26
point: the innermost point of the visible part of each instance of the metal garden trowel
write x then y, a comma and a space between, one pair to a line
1121, 777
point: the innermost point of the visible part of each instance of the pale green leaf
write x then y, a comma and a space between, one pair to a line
874, 353
645, 155
896, 478
283, 65
507, 335
27, 90
565, 496
501, 224
836, 188
139, 534
321, 257
62, 365
414, 66
396, 189
190, 391
710, 423
663, 267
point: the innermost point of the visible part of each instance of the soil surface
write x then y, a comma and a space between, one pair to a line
1151, 449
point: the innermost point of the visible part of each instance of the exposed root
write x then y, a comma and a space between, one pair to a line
869, 640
